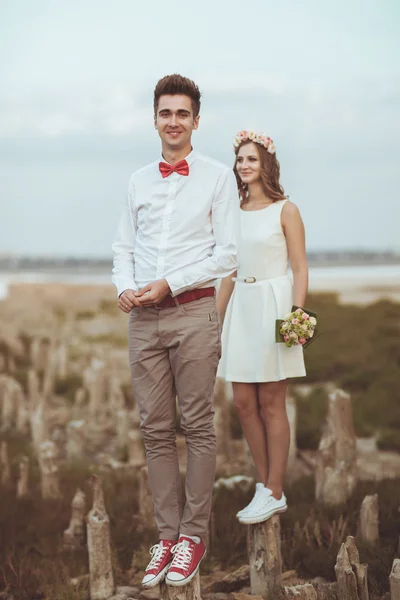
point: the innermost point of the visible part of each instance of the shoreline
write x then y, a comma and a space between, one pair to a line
354, 284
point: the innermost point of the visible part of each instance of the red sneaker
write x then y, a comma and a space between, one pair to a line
159, 564
186, 562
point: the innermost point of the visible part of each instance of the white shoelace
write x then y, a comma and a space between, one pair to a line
182, 555
157, 552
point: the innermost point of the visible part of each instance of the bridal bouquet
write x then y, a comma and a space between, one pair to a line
297, 328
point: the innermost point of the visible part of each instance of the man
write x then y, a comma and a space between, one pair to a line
176, 237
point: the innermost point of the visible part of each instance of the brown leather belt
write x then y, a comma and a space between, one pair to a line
185, 297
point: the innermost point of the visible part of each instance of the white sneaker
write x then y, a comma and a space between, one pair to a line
253, 502
265, 506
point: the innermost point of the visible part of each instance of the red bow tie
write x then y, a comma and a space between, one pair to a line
181, 167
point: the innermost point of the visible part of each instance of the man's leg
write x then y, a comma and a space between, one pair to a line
194, 361
154, 393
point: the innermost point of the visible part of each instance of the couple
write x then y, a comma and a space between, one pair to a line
188, 221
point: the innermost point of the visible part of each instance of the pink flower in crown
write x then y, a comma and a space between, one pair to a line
271, 148
243, 134
259, 138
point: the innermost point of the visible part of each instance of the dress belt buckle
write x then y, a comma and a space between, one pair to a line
250, 280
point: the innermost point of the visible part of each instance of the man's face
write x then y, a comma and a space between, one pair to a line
174, 121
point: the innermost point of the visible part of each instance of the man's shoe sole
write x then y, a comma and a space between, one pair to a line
183, 582
157, 579
261, 518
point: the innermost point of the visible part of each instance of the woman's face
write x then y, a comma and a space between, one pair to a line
248, 164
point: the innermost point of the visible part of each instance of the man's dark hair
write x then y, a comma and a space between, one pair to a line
177, 84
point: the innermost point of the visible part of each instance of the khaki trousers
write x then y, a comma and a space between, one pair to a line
174, 352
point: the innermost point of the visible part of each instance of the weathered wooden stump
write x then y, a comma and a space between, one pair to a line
146, 506
222, 422
336, 468
23, 480
74, 536
5, 464
301, 592
369, 519
186, 592
38, 422
135, 448
351, 576
23, 414
122, 428
33, 389
394, 580
8, 406
264, 551
76, 439
98, 536
50, 372
50, 481
292, 471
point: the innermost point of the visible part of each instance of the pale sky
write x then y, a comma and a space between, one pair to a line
76, 86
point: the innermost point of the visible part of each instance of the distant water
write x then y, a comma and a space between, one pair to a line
321, 278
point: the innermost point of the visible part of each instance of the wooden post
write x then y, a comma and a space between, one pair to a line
369, 519
146, 506
350, 574
122, 427
7, 402
76, 440
222, 422
38, 422
98, 535
191, 591
292, 418
33, 389
23, 481
264, 550
221, 426
394, 580
74, 536
5, 464
301, 592
50, 482
336, 467
50, 373
23, 414
62, 360
136, 451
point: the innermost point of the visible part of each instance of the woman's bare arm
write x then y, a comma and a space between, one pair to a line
224, 294
293, 228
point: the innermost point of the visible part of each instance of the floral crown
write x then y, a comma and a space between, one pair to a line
258, 138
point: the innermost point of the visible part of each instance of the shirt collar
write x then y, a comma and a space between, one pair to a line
190, 158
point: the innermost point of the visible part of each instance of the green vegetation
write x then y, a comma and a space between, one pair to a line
359, 350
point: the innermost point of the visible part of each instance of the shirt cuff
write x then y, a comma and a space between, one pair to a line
176, 283
124, 284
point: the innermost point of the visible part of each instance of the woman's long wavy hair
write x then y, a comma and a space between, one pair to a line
270, 172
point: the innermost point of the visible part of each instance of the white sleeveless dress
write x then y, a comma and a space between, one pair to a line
262, 294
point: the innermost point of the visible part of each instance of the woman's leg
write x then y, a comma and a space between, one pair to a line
246, 404
272, 400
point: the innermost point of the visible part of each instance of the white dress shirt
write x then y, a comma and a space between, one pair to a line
181, 228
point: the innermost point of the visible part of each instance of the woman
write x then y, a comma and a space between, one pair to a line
261, 292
